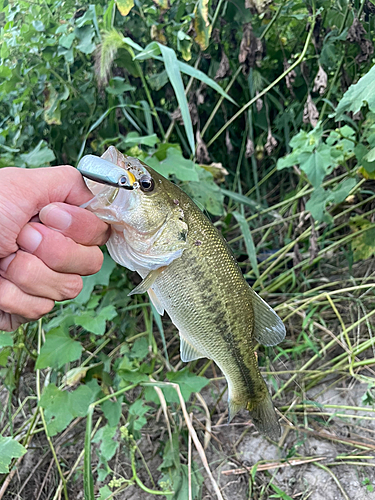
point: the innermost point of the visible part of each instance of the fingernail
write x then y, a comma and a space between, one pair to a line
52, 216
4, 263
29, 239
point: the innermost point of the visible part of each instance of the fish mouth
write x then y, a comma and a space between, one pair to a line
105, 172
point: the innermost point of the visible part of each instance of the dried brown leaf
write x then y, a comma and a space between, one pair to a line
224, 68
201, 151
271, 143
228, 142
258, 6
217, 170
314, 248
320, 82
290, 77
357, 34
251, 49
310, 112
249, 148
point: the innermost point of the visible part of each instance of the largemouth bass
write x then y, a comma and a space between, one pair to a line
188, 271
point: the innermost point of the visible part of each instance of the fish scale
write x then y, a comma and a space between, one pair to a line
190, 272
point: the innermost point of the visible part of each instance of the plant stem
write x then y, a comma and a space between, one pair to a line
267, 89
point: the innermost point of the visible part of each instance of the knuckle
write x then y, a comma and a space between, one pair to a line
40, 308
96, 260
72, 287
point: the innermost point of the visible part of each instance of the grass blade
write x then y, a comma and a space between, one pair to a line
174, 75
249, 243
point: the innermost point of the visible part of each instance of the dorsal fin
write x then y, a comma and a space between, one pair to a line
268, 327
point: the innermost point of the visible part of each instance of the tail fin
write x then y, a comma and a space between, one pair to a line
263, 415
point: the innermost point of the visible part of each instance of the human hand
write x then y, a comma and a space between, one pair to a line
46, 241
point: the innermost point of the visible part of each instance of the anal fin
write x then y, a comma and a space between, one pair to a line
268, 327
148, 281
188, 351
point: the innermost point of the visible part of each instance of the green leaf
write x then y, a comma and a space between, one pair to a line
358, 95
139, 349
85, 36
125, 6
58, 349
316, 165
250, 247
6, 339
39, 156
317, 204
4, 355
201, 24
112, 411
151, 51
134, 139
175, 164
205, 193
60, 407
9, 448
188, 383
108, 446
66, 41
100, 278
94, 321
118, 86
174, 75
178, 480
363, 245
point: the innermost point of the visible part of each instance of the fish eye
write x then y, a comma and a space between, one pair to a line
146, 183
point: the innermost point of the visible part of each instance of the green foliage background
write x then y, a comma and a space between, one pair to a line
251, 109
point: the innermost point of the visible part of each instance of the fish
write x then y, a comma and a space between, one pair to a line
188, 271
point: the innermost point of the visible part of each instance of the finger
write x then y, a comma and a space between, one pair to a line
28, 191
79, 224
10, 322
15, 301
59, 252
33, 277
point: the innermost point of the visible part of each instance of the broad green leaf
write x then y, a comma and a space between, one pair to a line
100, 278
134, 139
201, 24
112, 411
358, 95
188, 383
4, 355
125, 6
118, 86
317, 204
66, 41
206, 194
94, 321
39, 156
9, 448
85, 36
6, 339
175, 164
316, 165
60, 407
363, 245
250, 247
137, 420
58, 349
139, 349
108, 446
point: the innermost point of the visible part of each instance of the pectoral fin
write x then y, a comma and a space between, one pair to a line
155, 300
188, 351
268, 327
148, 281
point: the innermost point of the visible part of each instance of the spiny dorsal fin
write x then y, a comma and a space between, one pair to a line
148, 281
268, 327
189, 352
